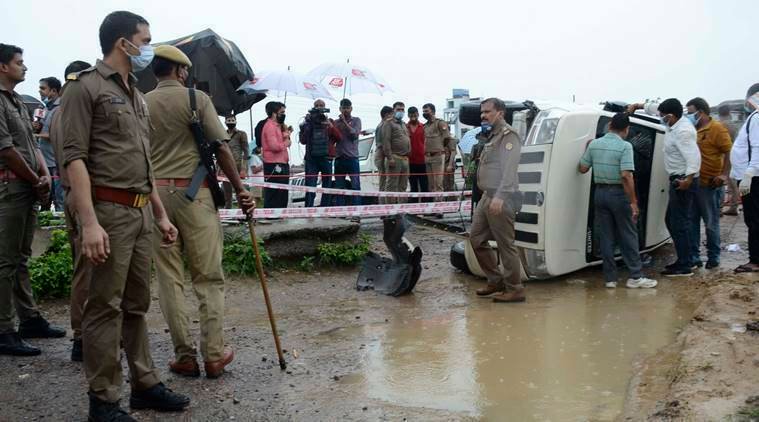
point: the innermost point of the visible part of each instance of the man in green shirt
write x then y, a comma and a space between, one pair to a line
615, 204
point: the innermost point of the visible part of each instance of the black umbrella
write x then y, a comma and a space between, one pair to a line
32, 103
218, 68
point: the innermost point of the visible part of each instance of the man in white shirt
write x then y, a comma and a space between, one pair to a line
682, 161
744, 157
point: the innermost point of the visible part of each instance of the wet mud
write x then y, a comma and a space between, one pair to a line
568, 353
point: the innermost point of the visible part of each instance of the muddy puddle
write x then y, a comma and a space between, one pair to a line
566, 354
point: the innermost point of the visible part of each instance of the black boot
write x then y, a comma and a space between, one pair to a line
76, 350
103, 411
160, 398
13, 344
38, 327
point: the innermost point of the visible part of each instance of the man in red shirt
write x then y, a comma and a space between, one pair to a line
417, 166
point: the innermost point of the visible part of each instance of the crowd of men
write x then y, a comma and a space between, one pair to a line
129, 190
703, 157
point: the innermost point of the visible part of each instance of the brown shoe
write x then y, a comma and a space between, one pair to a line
489, 290
509, 297
187, 368
216, 368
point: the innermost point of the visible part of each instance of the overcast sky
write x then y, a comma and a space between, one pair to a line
547, 50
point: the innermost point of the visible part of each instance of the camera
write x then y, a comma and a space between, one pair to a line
317, 115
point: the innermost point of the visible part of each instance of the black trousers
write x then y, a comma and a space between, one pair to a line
418, 181
751, 217
276, 173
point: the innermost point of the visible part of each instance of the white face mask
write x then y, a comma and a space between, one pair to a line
143, 60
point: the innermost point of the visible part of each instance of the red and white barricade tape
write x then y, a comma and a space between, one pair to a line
352, 211
350, 192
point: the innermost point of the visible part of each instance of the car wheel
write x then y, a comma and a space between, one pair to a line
458, 258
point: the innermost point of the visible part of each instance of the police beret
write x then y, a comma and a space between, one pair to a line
171, 53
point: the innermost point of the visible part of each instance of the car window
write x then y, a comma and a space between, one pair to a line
364, 147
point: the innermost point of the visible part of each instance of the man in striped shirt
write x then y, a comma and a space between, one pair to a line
615, 204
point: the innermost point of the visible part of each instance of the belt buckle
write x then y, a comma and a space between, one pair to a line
140, 200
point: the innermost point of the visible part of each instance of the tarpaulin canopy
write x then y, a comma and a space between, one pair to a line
218, 68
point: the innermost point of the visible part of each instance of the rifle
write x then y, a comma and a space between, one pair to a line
207, 167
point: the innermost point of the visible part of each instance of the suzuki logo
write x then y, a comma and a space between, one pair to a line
336, 82
309, 86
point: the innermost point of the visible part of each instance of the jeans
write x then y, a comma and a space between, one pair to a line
315, 166
276, 173
706, 208
614, 217
418, 180
751, 218
56, 189
351, 167
678, 220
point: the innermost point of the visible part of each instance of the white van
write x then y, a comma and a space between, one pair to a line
555, 232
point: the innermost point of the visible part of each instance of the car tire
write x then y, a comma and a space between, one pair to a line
458, 258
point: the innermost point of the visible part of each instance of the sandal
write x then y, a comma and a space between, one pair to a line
747, 268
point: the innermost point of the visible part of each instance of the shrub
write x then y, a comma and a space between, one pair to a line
51, 273
344, 253
238, 256
47, 219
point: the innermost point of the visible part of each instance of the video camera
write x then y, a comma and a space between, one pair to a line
317, 115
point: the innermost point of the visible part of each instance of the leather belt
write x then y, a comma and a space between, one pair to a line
121, 196
180, 183
433, 154
402, 157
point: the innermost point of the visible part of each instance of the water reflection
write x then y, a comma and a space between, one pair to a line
566, 354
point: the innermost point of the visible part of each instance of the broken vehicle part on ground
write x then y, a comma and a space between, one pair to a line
396, 276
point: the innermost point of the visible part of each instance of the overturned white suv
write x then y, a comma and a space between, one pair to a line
555, 231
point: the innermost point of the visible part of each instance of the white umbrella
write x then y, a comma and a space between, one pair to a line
353, 79
286, 82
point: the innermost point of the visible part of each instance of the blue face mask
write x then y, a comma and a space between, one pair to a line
142, 61
749, 109
486, 128
664, 121
399, 115
692, 118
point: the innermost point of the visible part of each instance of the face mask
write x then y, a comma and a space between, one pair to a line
749, 109
486, 128
46, 100
231, 126
426, 116
280, 118
142, 61
692, 117
664, 121
399, 115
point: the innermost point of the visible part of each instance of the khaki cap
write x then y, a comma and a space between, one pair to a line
171, 53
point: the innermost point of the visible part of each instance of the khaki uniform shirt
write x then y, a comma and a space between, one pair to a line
499, 161
395, 139
106, 124
16, 128
173, 150
437, 137
238, 143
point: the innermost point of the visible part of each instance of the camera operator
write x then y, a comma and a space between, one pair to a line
317, 133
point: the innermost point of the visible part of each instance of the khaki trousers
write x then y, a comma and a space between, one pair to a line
435, 172
486, 227
80, 280
18, 218
117, 301
398, 179
379, 164
448, 179
200, 242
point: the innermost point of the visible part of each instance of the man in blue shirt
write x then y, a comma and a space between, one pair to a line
615, 203
50, 89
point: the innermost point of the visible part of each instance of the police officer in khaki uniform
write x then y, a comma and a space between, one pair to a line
238, 144
175, 159
24, 181
437, 147
80, 279
396, 145
106, 151
494, 217
386, 113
